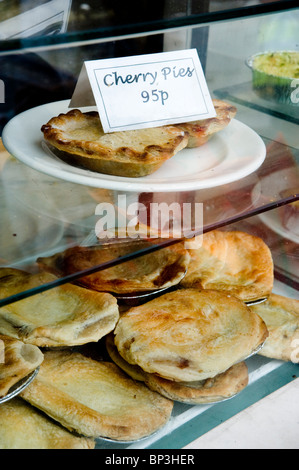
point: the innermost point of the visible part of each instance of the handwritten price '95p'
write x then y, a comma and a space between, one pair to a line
155, 95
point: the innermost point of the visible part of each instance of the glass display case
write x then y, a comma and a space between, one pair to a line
48, 207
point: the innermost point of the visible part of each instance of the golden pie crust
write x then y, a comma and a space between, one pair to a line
189, 335
160, 269
200, 132
231, 261
96, 399
80, 140
218, 388
281, 315
24, 427
17, 361
67, 315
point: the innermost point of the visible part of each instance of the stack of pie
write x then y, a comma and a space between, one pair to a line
89, 397
188, 344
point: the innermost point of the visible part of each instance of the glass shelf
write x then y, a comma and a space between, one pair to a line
74, 21
33, 202
244, 94
191, 422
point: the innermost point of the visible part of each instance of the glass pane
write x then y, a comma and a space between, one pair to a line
43, 216
26, 23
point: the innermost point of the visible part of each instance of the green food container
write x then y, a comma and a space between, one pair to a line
275, 76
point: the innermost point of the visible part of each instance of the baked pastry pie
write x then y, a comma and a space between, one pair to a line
219, 388
96, 399
189, 335
200, 132
24, 427
67, 315
17, 361
232, 261
78, 139
281, 315
160, 269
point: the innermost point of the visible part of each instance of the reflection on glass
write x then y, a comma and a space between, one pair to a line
29, 19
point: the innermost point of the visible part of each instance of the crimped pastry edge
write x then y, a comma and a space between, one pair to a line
251, 290
77, 416
55, 265
179, 361
20, 360
83, 326
121, 161
200, 132
283, 335
219, 388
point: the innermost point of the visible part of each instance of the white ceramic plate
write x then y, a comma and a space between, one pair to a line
272, 220
274, 185
230, 155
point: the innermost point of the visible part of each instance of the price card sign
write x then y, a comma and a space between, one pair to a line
145, 91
